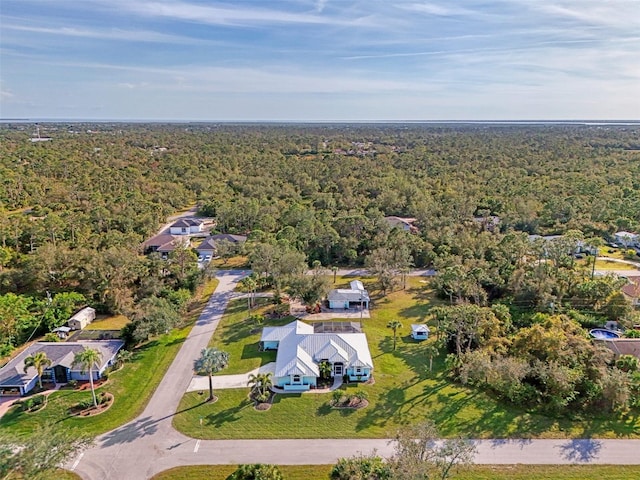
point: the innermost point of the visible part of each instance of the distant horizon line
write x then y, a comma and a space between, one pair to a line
589, 121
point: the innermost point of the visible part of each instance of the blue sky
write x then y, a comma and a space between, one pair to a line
320, 59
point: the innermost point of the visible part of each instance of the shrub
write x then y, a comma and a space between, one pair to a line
73, 383
337, 396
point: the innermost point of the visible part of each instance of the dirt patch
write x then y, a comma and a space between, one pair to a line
351, 405
86, 385
262, 406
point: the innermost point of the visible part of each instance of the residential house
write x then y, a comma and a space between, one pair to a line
14, 381
623, 346
632, 291
208, 246
164, 244
186, 226
82, 318
300, 352
344, 298
405, 224
627, 239
419, 332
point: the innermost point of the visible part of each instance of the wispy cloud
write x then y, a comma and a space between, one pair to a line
241, 15
447, 9
107, 34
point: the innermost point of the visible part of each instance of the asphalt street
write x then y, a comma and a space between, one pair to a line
149, 444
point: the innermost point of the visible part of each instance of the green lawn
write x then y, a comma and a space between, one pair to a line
239, 336
132, 386
404, 391
102, 322
221, 472
478, 472
603, 264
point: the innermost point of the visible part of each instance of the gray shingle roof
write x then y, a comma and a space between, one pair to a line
60, 353
187, 222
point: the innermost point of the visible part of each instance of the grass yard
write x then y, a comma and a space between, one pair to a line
221, 472
603, 264
404, 391
478, 472
240, 336
232, 263
132, 386
64, 475
104, 322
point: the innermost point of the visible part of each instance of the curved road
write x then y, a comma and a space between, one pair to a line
149, 444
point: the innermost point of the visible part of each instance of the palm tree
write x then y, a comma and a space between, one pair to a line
260, 384
394, 325
211, 361
39, 361
595, 243
325, 369
87, 359
123, 357
431, 351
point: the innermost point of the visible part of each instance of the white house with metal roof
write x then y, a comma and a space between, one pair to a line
300, 352
344, 298
14, 380
626, 239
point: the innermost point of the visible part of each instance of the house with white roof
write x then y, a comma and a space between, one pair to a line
300, 352
419, 332
345, 298
15, 381
626, 239
82, 318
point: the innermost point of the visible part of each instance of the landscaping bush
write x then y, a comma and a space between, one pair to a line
31, 404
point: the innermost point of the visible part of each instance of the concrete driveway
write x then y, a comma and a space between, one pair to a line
228, 381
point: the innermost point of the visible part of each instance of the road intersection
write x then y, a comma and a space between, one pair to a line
149, 444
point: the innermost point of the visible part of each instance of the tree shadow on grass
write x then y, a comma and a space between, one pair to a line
252, 350
176, 341
417, 311
386, 408
227, 416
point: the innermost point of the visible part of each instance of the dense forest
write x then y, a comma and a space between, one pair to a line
74, 211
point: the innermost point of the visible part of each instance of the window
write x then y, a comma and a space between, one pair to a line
358, 370
296, 379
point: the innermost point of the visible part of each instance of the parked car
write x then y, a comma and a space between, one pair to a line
207, 258
201, 258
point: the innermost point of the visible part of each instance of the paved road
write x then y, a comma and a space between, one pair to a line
149, 444
132, 451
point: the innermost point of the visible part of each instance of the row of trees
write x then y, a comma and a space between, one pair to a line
551, 364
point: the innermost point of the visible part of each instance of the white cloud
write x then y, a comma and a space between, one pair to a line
234, 16
107, 34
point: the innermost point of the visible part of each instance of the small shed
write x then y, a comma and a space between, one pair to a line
62, 332
419, 332
82, 318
